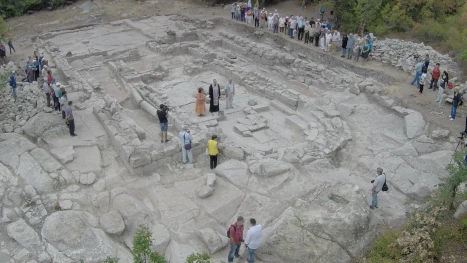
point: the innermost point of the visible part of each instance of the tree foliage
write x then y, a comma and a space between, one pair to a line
11, 8
142, 243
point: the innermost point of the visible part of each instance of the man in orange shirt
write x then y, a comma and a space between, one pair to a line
435, 76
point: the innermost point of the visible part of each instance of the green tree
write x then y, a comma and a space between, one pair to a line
367, 13
396, 18
142, 248
198, 258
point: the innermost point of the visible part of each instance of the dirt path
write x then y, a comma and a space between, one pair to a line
105, 11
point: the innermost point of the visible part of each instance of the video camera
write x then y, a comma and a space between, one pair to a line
164, 107
462, 133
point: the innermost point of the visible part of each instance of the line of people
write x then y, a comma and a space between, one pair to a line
317, 32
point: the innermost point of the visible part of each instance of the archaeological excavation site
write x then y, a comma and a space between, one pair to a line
298, 149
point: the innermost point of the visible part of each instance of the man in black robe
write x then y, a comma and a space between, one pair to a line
214, 95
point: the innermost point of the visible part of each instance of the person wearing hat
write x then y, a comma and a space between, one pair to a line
13, 85
57, 94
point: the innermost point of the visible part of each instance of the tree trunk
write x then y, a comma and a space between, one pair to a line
362, 28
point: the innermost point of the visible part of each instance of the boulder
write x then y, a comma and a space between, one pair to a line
64, 155
336, 220
47, 162
87, 179
354, 89
414, 125
461, 192
234, 152
234, 171
213, 240
65, 204
252, 102
69, 236
177, 253
210, 179
425, 145
25, 235
160, 238
440, 134
205, 191
40, 123
112, 223
461, 210
33, 174
270, 167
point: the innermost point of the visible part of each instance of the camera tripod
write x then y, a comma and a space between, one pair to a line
461, 142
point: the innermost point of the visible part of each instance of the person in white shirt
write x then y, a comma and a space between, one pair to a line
281, 24
229, 94
328, 40
63, 103
336, 39
253, 239
270, 21
377, 187
185, 139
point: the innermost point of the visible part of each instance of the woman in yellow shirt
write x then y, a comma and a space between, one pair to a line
213, 151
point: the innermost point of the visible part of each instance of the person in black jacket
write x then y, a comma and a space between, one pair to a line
344, 45
455, 102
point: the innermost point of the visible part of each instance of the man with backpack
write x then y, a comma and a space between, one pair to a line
235, 234
378, 184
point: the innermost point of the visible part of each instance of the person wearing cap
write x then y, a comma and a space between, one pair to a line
13, 85
69, 118
46, 89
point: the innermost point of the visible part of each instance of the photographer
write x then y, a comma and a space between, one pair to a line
163, 115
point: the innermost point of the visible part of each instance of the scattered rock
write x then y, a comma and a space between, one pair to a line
252, 102
205, 191
213, 240
64, 155
211, 180
414, 125
65, 204
461, 210
234, 152
25, 235
87, 179
440, 134
112, 223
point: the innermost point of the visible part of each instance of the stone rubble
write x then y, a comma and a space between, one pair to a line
297, 151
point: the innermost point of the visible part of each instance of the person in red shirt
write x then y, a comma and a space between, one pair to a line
435, 76
236, 238
49, 77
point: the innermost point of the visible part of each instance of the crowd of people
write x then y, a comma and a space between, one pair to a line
55, 94
421, 79
318, 33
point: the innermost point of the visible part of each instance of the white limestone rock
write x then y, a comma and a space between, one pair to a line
112, 223
65, 204
440, 134
160, 238
25, 235
234, 152
414, 125
205, 191
213, 240
234, 171
69, 235
271, 167
64, 154
87, 179
461, 210
210, 180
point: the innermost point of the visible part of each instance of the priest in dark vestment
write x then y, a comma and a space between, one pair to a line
214, 95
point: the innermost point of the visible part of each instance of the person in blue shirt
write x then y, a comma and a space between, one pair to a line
418, 73
13, 85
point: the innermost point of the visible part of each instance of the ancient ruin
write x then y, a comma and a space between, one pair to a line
301, 146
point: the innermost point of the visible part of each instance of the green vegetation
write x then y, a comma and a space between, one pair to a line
198, 258
142, 248
439, 23
11, 8
431, 234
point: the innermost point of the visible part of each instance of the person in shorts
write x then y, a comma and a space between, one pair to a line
163, 115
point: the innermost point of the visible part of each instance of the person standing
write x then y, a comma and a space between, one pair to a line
256, 16
10, 45
163, 115
185, 143
213, 150
2, 52
69, 118
307, 32
427, 62
242, 13
301, 28
366, 52
442, 85
214, 95
13, 85
292, 25
253, 240
63, 102
275, 24
229, 94
336, 39
281, 24
378, 183
350, 44
232, 10
249, 16
434, 77
422, 81
46, 89
200, 107
236, 238
418, 73
328, 38
345, 40
270, 22
455, 102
